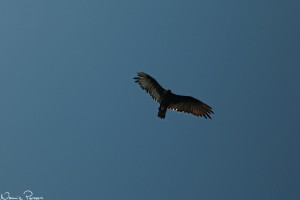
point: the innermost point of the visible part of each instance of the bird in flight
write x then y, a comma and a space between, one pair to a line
169, 100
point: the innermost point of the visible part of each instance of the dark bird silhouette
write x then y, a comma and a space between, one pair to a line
168, 100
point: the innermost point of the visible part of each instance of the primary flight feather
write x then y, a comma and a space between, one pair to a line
168, 100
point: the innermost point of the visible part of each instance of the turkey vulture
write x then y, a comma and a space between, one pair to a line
168, 100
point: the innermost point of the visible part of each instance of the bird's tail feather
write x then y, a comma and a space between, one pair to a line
161, 112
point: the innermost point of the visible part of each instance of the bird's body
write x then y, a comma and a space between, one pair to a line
169, 100
165, 101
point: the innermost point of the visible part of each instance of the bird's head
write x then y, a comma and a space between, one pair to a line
168, 91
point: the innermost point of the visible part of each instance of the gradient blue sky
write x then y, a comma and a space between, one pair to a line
74, 125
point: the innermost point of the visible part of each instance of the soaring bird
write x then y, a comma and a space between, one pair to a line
169, 100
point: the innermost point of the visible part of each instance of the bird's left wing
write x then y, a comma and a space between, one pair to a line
190, 105
150, 85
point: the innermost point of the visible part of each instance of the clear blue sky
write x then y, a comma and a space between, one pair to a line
74, 125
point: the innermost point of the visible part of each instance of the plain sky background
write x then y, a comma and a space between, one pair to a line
74, 125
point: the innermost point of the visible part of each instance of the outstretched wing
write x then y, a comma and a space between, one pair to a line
150, 85
190, 105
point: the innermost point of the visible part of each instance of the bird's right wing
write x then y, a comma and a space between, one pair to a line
150, 85
190, 105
